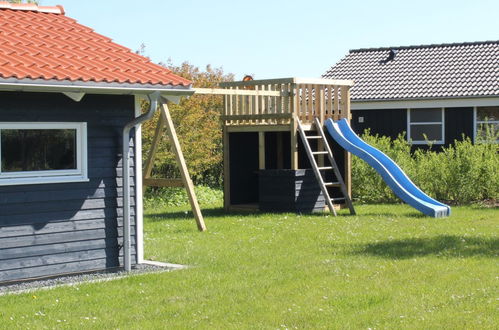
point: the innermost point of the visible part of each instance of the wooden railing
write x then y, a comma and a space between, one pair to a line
278, 101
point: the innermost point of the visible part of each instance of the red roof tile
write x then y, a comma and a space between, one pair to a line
40, 42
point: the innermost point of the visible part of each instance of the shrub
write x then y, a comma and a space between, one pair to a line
178, 196
460, 173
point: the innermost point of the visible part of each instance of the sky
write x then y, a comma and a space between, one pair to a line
277, 39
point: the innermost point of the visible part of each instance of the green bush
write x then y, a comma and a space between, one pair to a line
178, 196
461, 173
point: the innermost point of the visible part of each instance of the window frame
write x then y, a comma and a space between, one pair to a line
424, 142
476, 122
80, 174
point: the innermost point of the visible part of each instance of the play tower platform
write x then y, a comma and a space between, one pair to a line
265, 161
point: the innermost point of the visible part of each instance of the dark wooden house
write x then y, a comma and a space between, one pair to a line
442, 91
67, 94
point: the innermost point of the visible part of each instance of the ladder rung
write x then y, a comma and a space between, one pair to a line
325, 168
338, 199
314, 137
332, 184
319, 152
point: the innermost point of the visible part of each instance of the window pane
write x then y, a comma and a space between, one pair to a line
426, 115
487, 113
38, 149
433, 132
487, 132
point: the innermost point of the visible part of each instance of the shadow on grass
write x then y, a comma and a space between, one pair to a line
219, 212
442, 246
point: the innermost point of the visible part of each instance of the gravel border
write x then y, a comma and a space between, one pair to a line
147, 267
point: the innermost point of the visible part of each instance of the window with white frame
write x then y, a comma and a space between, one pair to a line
425, 125
487, 124
33, 153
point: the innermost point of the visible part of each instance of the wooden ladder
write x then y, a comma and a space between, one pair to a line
318, 171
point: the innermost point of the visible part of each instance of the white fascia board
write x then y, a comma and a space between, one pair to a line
56, 86
425, 103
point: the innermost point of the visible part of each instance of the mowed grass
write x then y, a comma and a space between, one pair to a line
387, 267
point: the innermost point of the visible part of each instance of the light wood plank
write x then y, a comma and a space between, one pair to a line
245, 92
170, 128
336, 109
226, 168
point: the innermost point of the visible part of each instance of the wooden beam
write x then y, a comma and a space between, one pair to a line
294, 143
257, 117
315, 81
345, 113
186, 179
158, 182
257, 128
226, 168
246, 92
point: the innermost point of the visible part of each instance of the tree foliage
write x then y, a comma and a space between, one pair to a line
197, 122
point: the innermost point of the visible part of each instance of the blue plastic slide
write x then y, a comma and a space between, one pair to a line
391, 173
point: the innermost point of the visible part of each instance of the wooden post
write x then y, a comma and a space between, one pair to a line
226, 168
293, 127
345, 113
189, 186
320, 113
261, 150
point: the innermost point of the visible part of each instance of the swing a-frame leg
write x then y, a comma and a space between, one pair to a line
165, 120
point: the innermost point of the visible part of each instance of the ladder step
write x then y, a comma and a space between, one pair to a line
325, 168
332, 184
314, 137
319, 152
337, 199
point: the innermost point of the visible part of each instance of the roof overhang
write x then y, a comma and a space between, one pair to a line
425, 103
79, 87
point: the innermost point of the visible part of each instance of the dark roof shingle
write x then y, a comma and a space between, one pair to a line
416, 72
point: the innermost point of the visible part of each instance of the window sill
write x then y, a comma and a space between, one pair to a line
421, 143
42, 180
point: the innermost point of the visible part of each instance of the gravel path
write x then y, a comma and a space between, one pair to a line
76, 279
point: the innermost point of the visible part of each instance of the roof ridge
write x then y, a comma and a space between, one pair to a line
59, 10
457, 44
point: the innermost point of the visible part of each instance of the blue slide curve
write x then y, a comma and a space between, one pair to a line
391, 173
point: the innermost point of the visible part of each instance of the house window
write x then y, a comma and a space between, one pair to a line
425, 125
486, 124
34, 153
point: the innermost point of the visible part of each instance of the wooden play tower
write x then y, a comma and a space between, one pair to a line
276, 154
265, 160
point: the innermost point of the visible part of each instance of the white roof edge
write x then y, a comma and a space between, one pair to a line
41, 85
426, 103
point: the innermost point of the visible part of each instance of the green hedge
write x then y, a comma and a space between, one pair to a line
459, 174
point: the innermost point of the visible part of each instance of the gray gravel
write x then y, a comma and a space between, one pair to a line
76, 279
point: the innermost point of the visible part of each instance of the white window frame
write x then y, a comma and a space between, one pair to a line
422, 142
476, 122
80, 174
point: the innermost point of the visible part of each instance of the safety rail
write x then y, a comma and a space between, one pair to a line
278, 101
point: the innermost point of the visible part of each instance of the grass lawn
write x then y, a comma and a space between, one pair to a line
388, 267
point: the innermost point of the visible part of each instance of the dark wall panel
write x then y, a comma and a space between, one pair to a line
50, 229
243, 154
387, 122
458, 121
